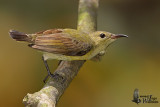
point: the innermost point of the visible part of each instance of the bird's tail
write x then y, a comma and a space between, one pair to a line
19, 36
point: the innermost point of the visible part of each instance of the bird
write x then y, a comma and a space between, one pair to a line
67, 44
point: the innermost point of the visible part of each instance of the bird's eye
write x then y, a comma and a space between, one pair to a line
102, 35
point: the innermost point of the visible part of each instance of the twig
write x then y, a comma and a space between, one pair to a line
49, 95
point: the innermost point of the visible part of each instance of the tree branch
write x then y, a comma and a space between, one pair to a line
49, 95
87, 15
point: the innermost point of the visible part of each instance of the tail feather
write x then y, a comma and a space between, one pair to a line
19, 36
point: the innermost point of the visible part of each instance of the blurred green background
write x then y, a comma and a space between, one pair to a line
129, 63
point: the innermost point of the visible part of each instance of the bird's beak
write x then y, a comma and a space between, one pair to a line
115, 36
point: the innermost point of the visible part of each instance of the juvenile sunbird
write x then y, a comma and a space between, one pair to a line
67, 44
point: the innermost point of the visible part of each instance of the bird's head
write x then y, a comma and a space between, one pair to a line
102, 38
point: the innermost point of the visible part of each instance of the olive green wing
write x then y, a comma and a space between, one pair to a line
61, 43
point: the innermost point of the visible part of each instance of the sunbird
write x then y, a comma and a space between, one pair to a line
67, 44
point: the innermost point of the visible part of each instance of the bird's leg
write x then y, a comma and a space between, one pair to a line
47, 67
59, 62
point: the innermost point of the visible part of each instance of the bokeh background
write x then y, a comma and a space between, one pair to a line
129, 63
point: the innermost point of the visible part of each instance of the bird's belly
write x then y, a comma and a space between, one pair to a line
88, 56
62, 57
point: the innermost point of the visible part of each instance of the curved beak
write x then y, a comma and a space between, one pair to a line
115, 36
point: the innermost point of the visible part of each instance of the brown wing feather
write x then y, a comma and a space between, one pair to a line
50, 31
61, 43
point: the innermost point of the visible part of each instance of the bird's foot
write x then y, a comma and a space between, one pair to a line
49, 75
